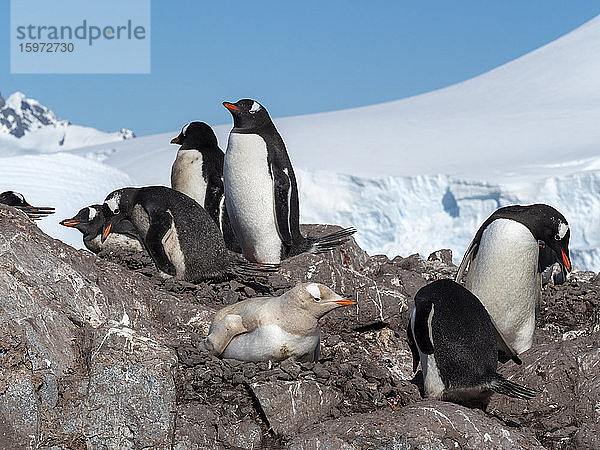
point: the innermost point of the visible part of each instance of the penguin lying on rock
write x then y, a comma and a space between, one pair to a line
261, 192
274, 328
504, 263
452, 335
90, 221
177, 232
16, 199
198, 173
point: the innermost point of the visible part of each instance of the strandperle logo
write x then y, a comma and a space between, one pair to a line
77, 36
84, 32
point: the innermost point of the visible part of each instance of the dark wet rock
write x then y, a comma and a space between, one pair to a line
429, 424
292, 405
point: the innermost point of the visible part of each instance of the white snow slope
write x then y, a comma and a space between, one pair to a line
422, 173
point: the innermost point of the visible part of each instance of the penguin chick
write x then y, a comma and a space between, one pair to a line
451, 334
504, 265
274, 328
16, 199
177, 233
90, 221
261, 192
198, 173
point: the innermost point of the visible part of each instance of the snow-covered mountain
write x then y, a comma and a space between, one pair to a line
422, 173
25, 124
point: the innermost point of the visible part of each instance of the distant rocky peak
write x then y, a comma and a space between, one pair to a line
20, 115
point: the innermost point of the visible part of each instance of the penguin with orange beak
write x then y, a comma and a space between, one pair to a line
182, 239
505, 260
90, 222
274, 328
16, 199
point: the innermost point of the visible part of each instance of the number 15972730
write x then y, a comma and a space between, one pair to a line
46, 47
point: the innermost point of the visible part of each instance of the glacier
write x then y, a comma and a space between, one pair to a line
421, 214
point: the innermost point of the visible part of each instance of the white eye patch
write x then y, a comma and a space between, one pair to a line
313, 289
91, 213
255, 108
562, 229
185, 129
113, 202
19, 196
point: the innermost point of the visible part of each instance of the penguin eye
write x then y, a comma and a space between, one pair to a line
557, 237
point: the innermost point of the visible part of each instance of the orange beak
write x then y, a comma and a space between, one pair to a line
106, 232
565, 260
175, 140
345, 302
230, 106
69, 223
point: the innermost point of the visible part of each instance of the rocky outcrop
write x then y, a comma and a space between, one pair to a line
105, 353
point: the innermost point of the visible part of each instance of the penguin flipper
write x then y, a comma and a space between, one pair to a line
505, 351
467, 259
160, 224
282, 195
421, 327
410, 339
223, 332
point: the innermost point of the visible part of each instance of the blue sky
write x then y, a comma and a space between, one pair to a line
297, 57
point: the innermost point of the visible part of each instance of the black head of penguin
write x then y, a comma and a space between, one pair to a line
546, 224
196, 135
248, 115
88, 220
12, 198
115, 208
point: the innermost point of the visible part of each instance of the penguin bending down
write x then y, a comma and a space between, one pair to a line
90, 221
452, 335
198, 173
504, 266
177, 233
261, 191
16, 199
274, 328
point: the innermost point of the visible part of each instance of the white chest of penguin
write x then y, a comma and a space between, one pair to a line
249, 197
503, 276
270, 342
186, 175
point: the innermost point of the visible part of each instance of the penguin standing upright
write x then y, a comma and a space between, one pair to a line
16, 199
452, 335
90, 221
177, 233
504, 264
198, 173
261, 191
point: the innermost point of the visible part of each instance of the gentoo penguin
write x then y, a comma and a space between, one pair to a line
452, 335
16, 199
198, 173
177, 233
90, 221
504, 263
274, 328
261, 192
